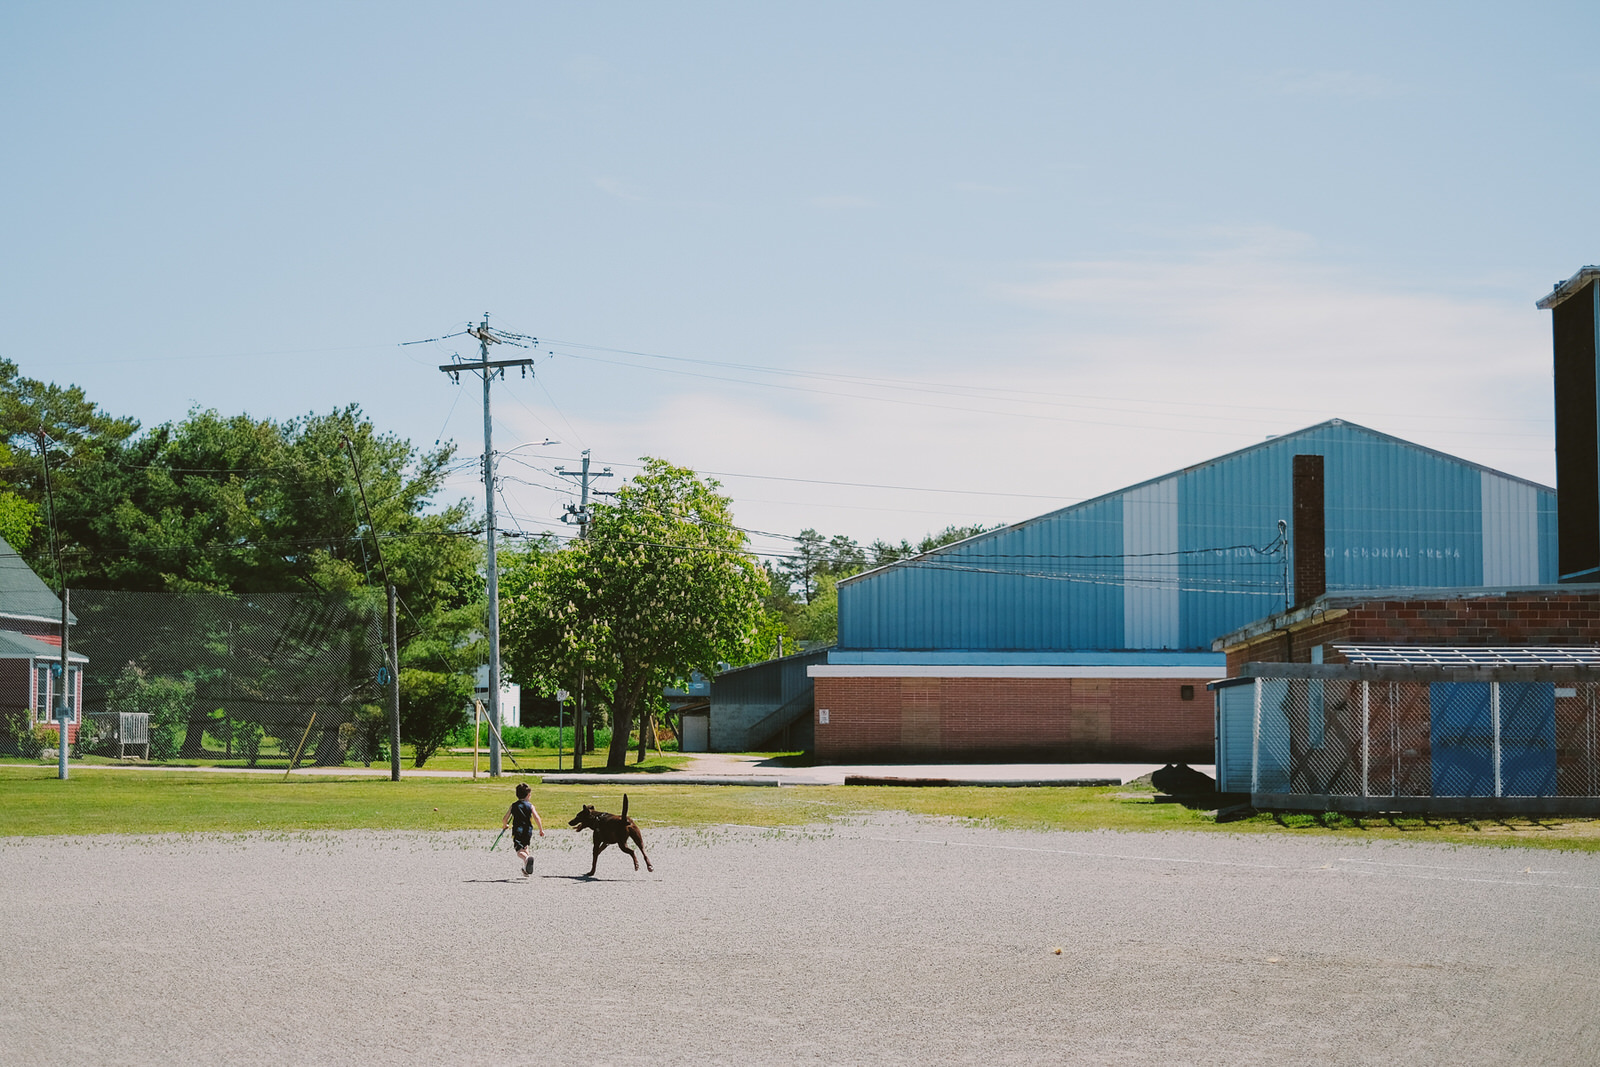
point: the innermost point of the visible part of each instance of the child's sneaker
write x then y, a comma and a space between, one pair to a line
527, 867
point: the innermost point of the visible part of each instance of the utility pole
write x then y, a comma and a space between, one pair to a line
62, 711
393, 653
394, 682
65, 695
580, 515
487, 369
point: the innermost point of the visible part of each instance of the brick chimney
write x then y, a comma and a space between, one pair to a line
1574, 325
1310, 537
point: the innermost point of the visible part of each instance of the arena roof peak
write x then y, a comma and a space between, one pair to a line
1273, 441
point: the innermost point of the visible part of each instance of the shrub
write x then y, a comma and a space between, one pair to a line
168, 702
367, 738
247, 741
16, 730
92, 735
433, 706
43, 741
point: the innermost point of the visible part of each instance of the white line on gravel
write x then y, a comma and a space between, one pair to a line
1094, 855
1434, 866
1233, 863
1480, 881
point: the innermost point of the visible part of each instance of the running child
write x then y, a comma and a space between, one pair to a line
522, 816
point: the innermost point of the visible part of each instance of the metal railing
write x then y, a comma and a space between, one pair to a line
115, 732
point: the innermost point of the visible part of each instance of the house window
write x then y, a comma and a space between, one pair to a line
46, 686
1185, 692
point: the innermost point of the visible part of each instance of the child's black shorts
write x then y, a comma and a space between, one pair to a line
521, 841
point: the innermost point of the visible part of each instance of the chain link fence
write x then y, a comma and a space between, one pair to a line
252, 679
1438, 735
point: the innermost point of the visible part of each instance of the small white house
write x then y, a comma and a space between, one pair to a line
510, 697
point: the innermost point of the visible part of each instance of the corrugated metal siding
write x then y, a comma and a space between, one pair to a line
1549, 546
1150, 565
1510, 531
1035, 586
1398, 515
1235, 732
775, 682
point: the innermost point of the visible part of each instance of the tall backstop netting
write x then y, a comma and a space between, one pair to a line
246, 678
1412, 739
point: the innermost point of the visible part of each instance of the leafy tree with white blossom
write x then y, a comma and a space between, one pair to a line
662, 586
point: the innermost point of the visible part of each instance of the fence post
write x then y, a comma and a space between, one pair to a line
1255, 743
1366, 736
1494, 723
394, 688
63, 709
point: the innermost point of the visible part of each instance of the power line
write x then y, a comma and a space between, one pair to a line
992, 392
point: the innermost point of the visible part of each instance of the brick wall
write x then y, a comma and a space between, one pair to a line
1551, 618
1032, 719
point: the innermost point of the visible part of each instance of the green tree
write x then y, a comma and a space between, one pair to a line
234, 504
433, 705
45, 425
18, 519
884, 553
804, 602
817, 623
662, 586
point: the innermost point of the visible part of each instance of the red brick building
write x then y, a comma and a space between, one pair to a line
1035, 713
1530, 616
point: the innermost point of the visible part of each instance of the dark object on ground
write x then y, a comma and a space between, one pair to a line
611, 829
1182, 780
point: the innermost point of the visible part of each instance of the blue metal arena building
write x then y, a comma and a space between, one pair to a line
1086, 633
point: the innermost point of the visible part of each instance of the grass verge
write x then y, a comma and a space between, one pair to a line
104, 801
513, 761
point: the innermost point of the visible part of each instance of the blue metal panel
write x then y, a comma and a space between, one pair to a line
1398, 516
1235, 733
1527, 739
1549, 563
1461, 735
1052, 583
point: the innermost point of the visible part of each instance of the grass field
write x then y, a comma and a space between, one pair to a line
146, 801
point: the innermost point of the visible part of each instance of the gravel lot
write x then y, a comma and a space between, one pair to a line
890, 940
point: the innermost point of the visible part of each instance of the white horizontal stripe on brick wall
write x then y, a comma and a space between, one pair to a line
904, 670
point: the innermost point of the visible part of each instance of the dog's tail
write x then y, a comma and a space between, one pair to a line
624, 805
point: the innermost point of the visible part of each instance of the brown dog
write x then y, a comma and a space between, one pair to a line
610, 829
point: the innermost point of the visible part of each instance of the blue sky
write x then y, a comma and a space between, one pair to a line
1022, 254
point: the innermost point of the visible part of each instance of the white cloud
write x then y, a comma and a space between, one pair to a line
1129, 368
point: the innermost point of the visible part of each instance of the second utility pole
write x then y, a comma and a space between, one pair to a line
580, 515
487, 369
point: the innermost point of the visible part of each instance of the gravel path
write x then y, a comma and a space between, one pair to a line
891, 940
